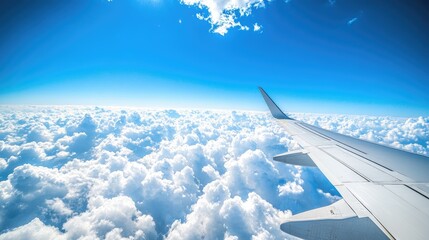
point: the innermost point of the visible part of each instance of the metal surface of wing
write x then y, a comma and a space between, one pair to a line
381, 186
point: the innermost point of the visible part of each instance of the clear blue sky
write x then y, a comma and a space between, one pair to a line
344, 56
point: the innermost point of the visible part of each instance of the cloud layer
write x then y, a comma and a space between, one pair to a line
92, 172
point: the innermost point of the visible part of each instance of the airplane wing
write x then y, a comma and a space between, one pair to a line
385, 190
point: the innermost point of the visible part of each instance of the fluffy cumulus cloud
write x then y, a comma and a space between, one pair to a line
411, 134
109, 173
223, 15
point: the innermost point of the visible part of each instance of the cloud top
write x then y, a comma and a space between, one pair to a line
109, 173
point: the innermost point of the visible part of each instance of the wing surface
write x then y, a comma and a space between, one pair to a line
385, 190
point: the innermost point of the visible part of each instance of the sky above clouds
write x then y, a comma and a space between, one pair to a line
110, 173
355, 57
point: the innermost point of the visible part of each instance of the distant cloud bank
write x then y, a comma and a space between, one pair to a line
109, 173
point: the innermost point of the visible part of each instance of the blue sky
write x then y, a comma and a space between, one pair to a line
356, 57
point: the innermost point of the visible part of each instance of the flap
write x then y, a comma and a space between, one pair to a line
336, 221
298, 157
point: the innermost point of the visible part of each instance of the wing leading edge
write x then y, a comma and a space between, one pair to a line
385, 190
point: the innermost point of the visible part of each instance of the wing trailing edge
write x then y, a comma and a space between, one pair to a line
336, 221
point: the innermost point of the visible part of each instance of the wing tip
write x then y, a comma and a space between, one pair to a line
276, 112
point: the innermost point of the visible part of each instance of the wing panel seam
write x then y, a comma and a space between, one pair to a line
372, 214
315, 132
416, 191
378, 164
349, 167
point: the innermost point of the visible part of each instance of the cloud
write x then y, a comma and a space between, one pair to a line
35, 229
292, 187
107, 218
58, 206
352, 21
410, 134
142, 174
332, 198
257, 27
218, 215
223, 15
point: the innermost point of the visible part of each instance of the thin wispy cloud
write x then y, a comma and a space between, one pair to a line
352, 21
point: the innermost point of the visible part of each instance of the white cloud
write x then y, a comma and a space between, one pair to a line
58, 206
406, 133
332, 198
223, 15
292, 187
3, 164
257, 27
107, 218
351, 21
218, 215
134, 173
35, 229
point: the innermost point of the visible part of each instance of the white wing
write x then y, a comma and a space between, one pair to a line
385, 190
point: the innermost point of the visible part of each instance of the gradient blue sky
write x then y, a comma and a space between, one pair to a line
356, 57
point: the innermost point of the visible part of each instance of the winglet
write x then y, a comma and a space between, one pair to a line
274, 109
